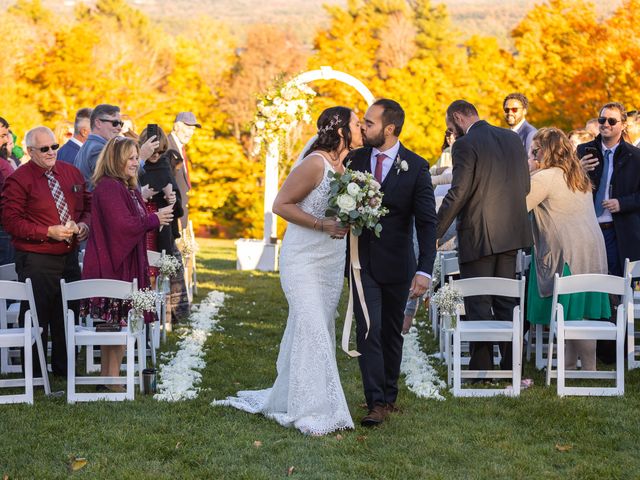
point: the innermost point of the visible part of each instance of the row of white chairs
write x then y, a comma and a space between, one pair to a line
77, 335
454, 340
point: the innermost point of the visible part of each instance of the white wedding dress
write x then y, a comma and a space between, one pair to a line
307, 393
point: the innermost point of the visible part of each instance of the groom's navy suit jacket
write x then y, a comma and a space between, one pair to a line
390, 259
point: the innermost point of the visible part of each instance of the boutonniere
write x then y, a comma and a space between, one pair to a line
401, 165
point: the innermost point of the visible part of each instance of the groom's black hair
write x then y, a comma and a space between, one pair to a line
392, 113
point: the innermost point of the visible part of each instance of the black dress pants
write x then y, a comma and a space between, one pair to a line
45, 272
381, 351
488, 307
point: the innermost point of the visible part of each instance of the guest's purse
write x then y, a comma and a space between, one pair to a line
108, 327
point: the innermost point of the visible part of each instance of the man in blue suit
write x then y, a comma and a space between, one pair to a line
515, 107
81, 130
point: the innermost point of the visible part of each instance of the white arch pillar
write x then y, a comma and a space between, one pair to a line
263, 255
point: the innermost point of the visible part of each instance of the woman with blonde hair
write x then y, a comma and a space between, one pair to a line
567, 238
116, 246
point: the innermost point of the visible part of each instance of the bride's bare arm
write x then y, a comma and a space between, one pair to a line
300, 182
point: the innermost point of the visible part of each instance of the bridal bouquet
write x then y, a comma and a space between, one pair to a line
356, 200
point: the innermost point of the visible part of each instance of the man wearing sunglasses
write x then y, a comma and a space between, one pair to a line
46, 210
105, 124
613, 165
515, 107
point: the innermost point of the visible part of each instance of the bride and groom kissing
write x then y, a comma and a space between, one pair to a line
307, 393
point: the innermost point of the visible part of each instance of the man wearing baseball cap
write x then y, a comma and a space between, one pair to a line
183, 129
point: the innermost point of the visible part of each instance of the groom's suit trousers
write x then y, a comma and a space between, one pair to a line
381, 351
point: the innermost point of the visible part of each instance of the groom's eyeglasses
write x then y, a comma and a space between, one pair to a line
511, 109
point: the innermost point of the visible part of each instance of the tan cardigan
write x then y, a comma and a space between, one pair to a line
565, 229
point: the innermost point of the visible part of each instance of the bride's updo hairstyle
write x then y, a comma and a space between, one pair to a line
330, 122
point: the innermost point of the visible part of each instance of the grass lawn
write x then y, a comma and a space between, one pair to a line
535, 436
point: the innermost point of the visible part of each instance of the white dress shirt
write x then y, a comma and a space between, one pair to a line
391, 154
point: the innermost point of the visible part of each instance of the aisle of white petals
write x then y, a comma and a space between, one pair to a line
421, 378
179, 378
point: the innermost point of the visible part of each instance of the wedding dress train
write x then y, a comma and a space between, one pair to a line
307, 393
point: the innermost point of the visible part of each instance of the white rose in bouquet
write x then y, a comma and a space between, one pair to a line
346, 203
353, 189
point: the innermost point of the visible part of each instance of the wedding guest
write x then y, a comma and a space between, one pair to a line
567, 239
7, 253
105, 124
592, 127
441, 171
46, 209
63, 131
515, 106
81, 130
183, 129
579, 136
488, 198
633, 128
116, 246
158, 174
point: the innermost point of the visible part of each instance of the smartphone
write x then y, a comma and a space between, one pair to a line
591, 151
152, 130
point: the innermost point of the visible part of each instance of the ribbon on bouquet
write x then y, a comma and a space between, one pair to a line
354, 268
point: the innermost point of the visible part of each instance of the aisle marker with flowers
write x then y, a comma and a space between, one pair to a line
179, 378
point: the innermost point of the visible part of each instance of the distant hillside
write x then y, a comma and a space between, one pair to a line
483, 17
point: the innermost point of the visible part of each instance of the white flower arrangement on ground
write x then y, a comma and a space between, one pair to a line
449, 301
181, 375
168, 266
356, 200
421, 378
280, 110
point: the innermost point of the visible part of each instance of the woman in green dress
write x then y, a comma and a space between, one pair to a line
567, 238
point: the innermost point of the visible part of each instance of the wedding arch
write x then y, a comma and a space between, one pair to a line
263, 254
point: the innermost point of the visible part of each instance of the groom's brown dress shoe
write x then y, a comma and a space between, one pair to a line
392, 408
375, 416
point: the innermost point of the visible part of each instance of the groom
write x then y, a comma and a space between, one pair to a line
389, 269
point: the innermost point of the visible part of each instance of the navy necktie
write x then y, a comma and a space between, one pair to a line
602, 188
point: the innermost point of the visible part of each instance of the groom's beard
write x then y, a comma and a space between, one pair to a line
374, 142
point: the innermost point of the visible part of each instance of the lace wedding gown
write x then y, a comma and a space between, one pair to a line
307, 393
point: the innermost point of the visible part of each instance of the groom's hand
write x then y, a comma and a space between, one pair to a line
419, 285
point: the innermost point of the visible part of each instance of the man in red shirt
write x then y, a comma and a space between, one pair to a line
46, 210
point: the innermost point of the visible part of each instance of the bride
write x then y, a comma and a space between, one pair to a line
307, 393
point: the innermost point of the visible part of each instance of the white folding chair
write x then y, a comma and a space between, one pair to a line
485, 330
633, 344
588, 330
9, 317
448, 266
83, 336
25, 338
159, 325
